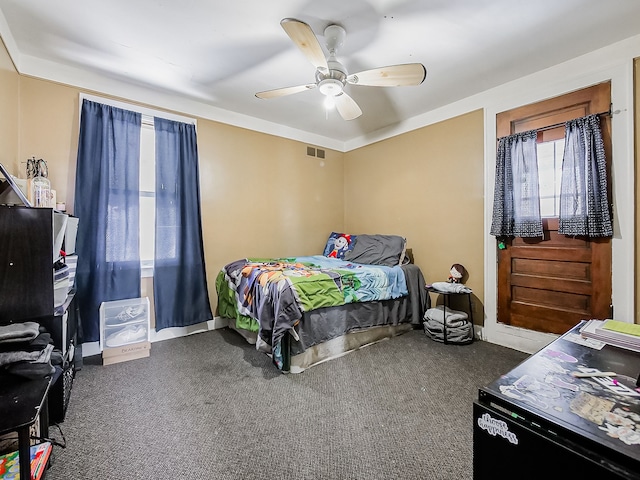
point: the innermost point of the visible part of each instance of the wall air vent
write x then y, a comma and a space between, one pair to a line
315, 152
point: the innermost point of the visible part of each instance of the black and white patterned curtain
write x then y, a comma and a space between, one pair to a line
584, 204
516, 204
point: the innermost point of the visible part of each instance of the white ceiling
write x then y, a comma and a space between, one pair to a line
217, 55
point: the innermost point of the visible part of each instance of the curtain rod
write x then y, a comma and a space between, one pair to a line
144, 111
608, 113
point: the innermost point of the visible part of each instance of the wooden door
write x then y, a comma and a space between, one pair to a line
549, 284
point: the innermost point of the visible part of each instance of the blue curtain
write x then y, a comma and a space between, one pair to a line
107, 205
584, 203
516, 203
180, 282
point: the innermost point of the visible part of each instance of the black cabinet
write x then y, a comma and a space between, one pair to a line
540, 420
30, 242
26, 263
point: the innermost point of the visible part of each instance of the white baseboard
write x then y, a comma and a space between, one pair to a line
89, 349
526, 341
93, 348
175, 332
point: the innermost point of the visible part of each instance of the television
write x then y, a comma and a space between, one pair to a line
10, 192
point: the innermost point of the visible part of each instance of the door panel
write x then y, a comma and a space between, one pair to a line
549, 284
570, 270
578, 302
555, 287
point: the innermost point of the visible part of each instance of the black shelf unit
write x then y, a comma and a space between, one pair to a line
27, 290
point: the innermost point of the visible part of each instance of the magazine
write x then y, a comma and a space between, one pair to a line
10, 462
595, 329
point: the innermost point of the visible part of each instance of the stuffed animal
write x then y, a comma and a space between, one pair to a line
456, 273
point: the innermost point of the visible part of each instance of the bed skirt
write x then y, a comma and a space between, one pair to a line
336, 347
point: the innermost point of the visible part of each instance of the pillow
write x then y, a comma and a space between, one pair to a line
338, 244
386, 250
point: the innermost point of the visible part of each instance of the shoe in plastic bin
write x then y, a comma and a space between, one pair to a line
126, 335
128, 315
118, 314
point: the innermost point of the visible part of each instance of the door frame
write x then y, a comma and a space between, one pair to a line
559, 80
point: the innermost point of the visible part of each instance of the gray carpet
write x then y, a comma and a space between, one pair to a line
209, 406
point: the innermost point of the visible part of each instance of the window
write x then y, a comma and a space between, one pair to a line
550, 175
147, 181
147, 196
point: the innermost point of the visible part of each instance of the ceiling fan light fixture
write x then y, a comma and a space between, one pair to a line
329, 102
330, 87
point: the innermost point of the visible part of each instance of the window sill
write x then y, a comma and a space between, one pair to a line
146, 271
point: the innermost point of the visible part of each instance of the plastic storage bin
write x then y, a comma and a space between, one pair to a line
60, 291
71, 261
123, 323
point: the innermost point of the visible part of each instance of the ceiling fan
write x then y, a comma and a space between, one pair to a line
332, 76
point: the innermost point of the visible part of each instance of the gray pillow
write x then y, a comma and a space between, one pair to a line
386, 250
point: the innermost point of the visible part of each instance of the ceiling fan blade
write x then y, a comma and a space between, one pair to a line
306, 41
347, 107
391, 76
281, 92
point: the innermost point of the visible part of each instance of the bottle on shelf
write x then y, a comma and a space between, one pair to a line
40, 185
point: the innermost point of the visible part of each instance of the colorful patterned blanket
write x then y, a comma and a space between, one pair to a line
275, 292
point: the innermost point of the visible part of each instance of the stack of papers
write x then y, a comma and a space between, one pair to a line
613, 332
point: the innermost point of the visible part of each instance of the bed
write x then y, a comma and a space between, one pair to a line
305, 310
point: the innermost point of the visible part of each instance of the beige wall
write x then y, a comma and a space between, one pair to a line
49, 130
261, 195
426, 185
9, 111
